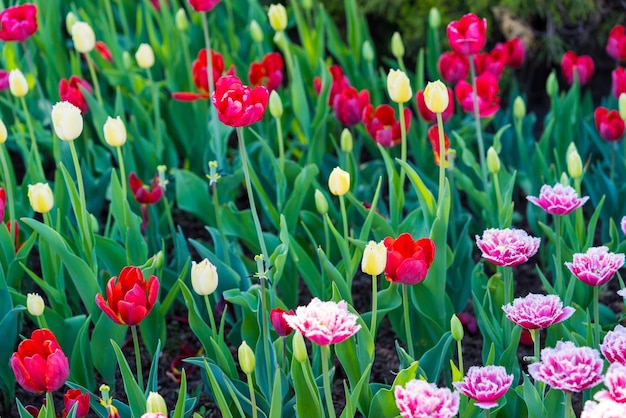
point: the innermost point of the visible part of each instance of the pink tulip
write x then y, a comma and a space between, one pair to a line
623, 224
324, 322
605, 408
568, 368
583, 65
616, 44
203, 5
595, 267
237, 104
349, 105
487, 88
613, 346
507, 247
609, 124
492, 62
516, 52
467, 35
558, 200
618, 81
420, 399
431, 117
615, 382
485, 385
453, 67
537, 311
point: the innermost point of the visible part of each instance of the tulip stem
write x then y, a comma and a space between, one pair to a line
218, 221
31, 65
344, 217
252, 396
508, 298
158, 143
217, 141
479, 133
82, 215
487, 413
326, 377
281, 146
496, 186
559, 272
120, 160
133, 329
34, 148
94, 78
374, 305
9, 185
596, 316
536, 336
210, 311
459, 350
403, 144
407, 323
613, 145
569, 412
443, 159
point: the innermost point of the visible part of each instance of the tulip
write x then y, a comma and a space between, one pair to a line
408, 260
3, 132
616, 43
519, 108
456, 328
246, 358
18, 23
397, 47
339, 182
516, 52
275, 105
382, 125
507, 247
199, 75
72, 91
487, 88
574, 162
256, 32
203, 5
436, 96
467, 35
17, 83
339, 83
374, 258
75, 396
433, 138
349, 104
428, 115
346, 141
145, 56
622, 105
70, 19
277, 15
558, 200
398, 86
156, 404
35, 304
237, 104
367, 51
279, 324
268, 73
299, 347
321, 204
453, 67
40, 197
204, 278
492, 62
618, 82
114, 132
84, 37
493, 161
419, 398
609, 124
583, 65
182, 22
67, 121
144, 194
485, 385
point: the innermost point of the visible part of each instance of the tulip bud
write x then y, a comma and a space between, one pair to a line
3, 132
83, 36
278, 17
67, 121
552, 85
145, 56
564, 179
374, 258
70, 19
127, 60
280, 39
436, 96
246, 358
40, 197
574, 162
307, 4
434, 18
95, 224
182, 23
622, 106
275, 105
456, 327
397, 47
339, 182
156, 404
35, 304
519, 108
346, 141
114, 132
256, 32
321, 204
398, 86
204, 277
17, 83
367, 51
493, 161
299, 347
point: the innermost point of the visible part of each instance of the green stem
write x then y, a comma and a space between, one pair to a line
496, 186
265, 328
479, 133
559, 271
110, 19
32, 69
443, 158
120, 161
41, 320
209, 70
168, 215
281, 146
403, 144
325, 375
33, 140
210, 311
94, 78
407, 323
459, 350
133, 328
569, 412
612, 162
596, 316
374, 305
9, 186
220, 228
158, 143
580, 222
344, 218
83, 215
536, 336
487, 411
252, 395
125, 26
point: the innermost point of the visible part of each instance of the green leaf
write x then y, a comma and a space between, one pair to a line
102, 351
136, 398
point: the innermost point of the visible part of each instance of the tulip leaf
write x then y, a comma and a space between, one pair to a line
196, 323
179, 409
277, 396
335, 276
424, 195
136, 398
307, 269
301, 186
308, 401
218, 395
101, 349
81, 361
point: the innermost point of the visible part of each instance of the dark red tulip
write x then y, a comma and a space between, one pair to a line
408, 260
583, 65
382, 125
75, 396
279, 324
339, 83
268, 73
70, 91
453, 67
349, 105
144, 194
609, 124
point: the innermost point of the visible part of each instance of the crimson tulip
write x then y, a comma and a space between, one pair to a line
408, 260
70, 91
492, 62
433, 137
199, 75
3, 203
516, 52
340, 82
130, 297
582, 64
382, 125
18, 23
104, 51
75, 396
487, 87
431, 117
467, 35
39, 364
609, 124
618, 77
268, 73
203, 5
237, 104
453, 67
349, 105
145, 194
279, 323
616, 44
4, 80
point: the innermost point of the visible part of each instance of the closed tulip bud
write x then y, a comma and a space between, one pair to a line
144, 56
339, 182
456, 328
574, 162
35, 304
519, 108
67, 121
127, 60
17, 83
182, 22
436, 96
246, 358
83, 36
434, 18
307, 4
374, 258
493, 161
299, 347
346, 141
155, 404
256, 32
321, 204
3, 132
277, 15
204, 277
564, 179
367, 51
397, 47
622, 106
70, 19
114, 132
398, 86
95, 224
275, 105
40, 197
552, 85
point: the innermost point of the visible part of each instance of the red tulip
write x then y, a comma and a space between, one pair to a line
467, 35
488, 102
609, 124
104, 51
268, 73
349, 105
340, 82
408, 260
70, 91
492, 62
429, 116
281, 326
200, 78
382, 125
18, 23
129, 298
516, 52
453, 67
75, 396
616, 44
582, 64
3, 203
433, 137
618, 76
203, 5
237, 104
4, 80
145, 195
39, 364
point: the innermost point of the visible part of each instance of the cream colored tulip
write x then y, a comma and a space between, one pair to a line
398, 86
277, 15
40, 197
84, 37
374, 258
17, 83
114, 132
155, 404
204, 278
67, 121
145, 56
339, 182
35, 304
436, 96
3, 132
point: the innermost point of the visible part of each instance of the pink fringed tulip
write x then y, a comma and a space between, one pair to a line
237, 104
467, 35
537, 311
324, 322
595, 267
583, 65
382, 125
613, 346
485, 385
420, 399
349, 105
568, 368
18, 23
615, 382
609, 124
616, 43
408, 260
488, 101
605, 408
507, 247
623, 224
558, 200
203, 5
453, 67
429, 116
